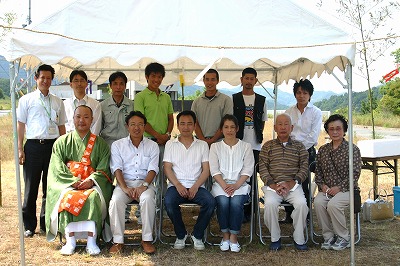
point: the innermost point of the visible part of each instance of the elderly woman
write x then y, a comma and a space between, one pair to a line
231, 164
332, 179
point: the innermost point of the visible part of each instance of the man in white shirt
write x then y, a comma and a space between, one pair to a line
78, 82
307, 121
187, 169
134, 163
42, 115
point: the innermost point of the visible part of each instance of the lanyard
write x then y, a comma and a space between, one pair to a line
48, 112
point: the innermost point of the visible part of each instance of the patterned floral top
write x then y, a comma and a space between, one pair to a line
332, 167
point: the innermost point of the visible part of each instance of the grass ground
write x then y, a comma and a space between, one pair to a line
380, 243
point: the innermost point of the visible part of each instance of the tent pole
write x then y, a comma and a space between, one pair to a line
275, 100
13, 82
351, 177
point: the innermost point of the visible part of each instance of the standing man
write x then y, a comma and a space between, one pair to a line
250, 109
307, 121
209, 108
283, 167
187, 169
134, 163
157, 108
78, 82
115, 109
42, 115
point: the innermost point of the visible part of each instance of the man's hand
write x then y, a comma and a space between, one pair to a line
21, 156
192, 192
130, 191
183, 192
162, 139
138, 192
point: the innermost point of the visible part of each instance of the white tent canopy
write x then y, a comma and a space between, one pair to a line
280, 39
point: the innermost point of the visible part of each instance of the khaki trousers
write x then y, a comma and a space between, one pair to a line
330, 214
118, 203
299, 214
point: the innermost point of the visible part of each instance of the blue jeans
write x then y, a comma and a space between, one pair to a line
202, 198
230, 212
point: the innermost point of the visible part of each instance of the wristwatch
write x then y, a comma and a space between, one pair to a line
145, 184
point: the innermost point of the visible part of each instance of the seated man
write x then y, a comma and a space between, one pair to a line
79, 188
134, 163
283, 167
187, 169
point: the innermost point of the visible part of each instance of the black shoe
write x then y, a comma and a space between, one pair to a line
274, 246
300, 247
28, 233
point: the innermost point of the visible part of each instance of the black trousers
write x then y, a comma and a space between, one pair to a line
37, 159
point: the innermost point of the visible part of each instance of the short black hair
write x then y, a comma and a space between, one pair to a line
228, 117
305, 85
249, 70
135, 113
212, 70
185, 113
116, 75
45, 67
336, 117
154, 68
85, 106
77, 72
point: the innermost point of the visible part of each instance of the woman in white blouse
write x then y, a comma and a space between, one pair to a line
231, 164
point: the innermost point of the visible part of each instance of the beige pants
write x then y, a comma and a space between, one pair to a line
299, 214
330, 214
118, 203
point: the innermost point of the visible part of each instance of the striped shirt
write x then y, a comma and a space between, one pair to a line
186, 163
283, 163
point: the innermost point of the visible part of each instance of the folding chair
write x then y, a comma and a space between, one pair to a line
313, 233
282, 205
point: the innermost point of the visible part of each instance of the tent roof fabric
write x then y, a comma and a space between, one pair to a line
279, 39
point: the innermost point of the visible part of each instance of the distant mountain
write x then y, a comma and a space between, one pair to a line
285, 99
336, 102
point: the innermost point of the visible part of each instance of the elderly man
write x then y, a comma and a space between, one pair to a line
134, 162
79, 188
187, 169
283, 167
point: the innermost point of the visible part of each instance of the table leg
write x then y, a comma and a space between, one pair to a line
375, 178
396, 175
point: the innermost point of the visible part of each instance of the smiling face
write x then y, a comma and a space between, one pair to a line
186, 125
154, 81
136, 127
43, 81
210, 82
283, 127
83, 119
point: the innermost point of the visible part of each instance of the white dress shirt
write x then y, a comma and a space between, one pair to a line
72, 103
186, 163
231, 163
135, 163
307, 125
41, 114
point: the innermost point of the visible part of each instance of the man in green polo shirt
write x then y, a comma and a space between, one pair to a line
157, 107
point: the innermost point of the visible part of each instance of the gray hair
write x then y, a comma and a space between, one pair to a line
284, 114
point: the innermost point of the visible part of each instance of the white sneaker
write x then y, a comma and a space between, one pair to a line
197, 243
328, 243
341, 244
224, 245
93, 250
235, 247
180, 243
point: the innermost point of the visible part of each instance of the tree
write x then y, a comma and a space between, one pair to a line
366, 104
196, 94
369, 17
390, 101
396, 55
2, 94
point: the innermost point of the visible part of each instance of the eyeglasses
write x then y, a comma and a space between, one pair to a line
136, 125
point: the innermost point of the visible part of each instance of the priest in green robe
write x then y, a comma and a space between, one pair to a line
79, 187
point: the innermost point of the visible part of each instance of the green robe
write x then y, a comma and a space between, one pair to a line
70, 147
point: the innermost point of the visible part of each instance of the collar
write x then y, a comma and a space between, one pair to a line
289, 142
85, 98
41, 95
216, 95
148, 91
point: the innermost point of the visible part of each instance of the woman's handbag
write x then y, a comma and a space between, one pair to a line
378, 210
